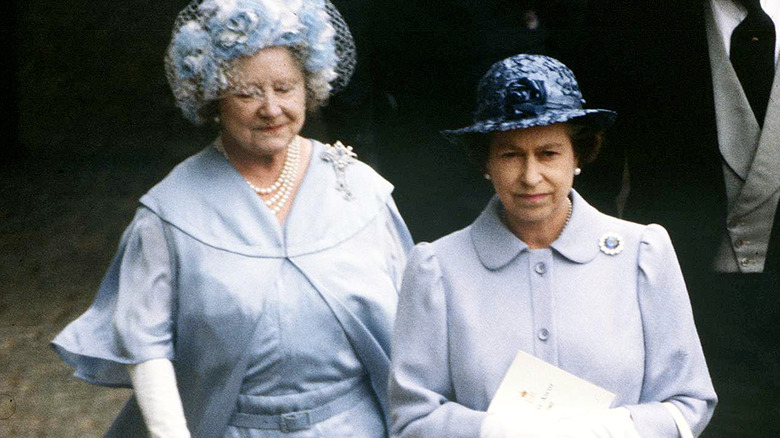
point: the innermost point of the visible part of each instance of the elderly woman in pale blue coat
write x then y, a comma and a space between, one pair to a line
543, 272
254, 292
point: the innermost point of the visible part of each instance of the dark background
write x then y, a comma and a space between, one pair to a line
89, 124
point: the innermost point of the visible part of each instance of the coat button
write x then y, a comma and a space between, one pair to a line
540, 268
543, 334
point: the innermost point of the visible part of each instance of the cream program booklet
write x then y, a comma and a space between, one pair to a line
534, 383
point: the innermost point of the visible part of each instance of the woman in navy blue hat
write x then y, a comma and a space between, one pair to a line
543, 272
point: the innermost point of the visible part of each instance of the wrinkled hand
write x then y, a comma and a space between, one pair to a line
560, 423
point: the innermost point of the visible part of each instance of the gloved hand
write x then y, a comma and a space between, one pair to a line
154, 384
602, 423
524, 423
560, 423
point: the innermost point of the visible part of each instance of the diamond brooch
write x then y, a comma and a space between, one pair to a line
611, 244
340, 156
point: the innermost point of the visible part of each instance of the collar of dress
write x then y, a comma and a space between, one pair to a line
206, 198
496, 246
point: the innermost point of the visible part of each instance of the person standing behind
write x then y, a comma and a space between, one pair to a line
698, 89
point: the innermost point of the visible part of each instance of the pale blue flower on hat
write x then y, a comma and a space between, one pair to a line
192, 45
238, 27
320, 34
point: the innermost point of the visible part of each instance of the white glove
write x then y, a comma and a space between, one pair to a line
154, 384
525, 423
603, 423
568, 423
679, 420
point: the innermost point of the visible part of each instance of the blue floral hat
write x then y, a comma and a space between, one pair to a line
524, 91
209, 35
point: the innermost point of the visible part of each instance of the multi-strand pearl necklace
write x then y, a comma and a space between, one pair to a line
282, 188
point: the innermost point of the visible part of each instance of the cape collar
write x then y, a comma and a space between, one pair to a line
208, 199
496, 245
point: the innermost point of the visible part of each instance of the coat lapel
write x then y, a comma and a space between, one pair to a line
738, 130
764, 176
750, 152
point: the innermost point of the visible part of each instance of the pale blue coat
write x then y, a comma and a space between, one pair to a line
470, 300
205, 276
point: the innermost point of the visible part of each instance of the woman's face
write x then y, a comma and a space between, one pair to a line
262, 120
532, 171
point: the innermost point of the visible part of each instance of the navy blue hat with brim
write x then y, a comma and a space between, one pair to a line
525, 91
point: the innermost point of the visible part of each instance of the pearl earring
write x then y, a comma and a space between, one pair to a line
487, 176
216, 120
577, 171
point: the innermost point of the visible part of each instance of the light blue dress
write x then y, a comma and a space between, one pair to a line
471, 300
263, 322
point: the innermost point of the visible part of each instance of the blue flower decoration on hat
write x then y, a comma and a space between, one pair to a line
192, 45
524, 91
525, 97
320, 36
237, 29
242, 30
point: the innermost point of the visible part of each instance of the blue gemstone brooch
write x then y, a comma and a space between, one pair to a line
340, 156
611, 243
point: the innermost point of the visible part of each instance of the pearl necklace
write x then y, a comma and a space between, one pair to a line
283, 186
565, 224
568, 216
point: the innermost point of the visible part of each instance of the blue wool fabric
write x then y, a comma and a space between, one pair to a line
471, 300
207, 277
